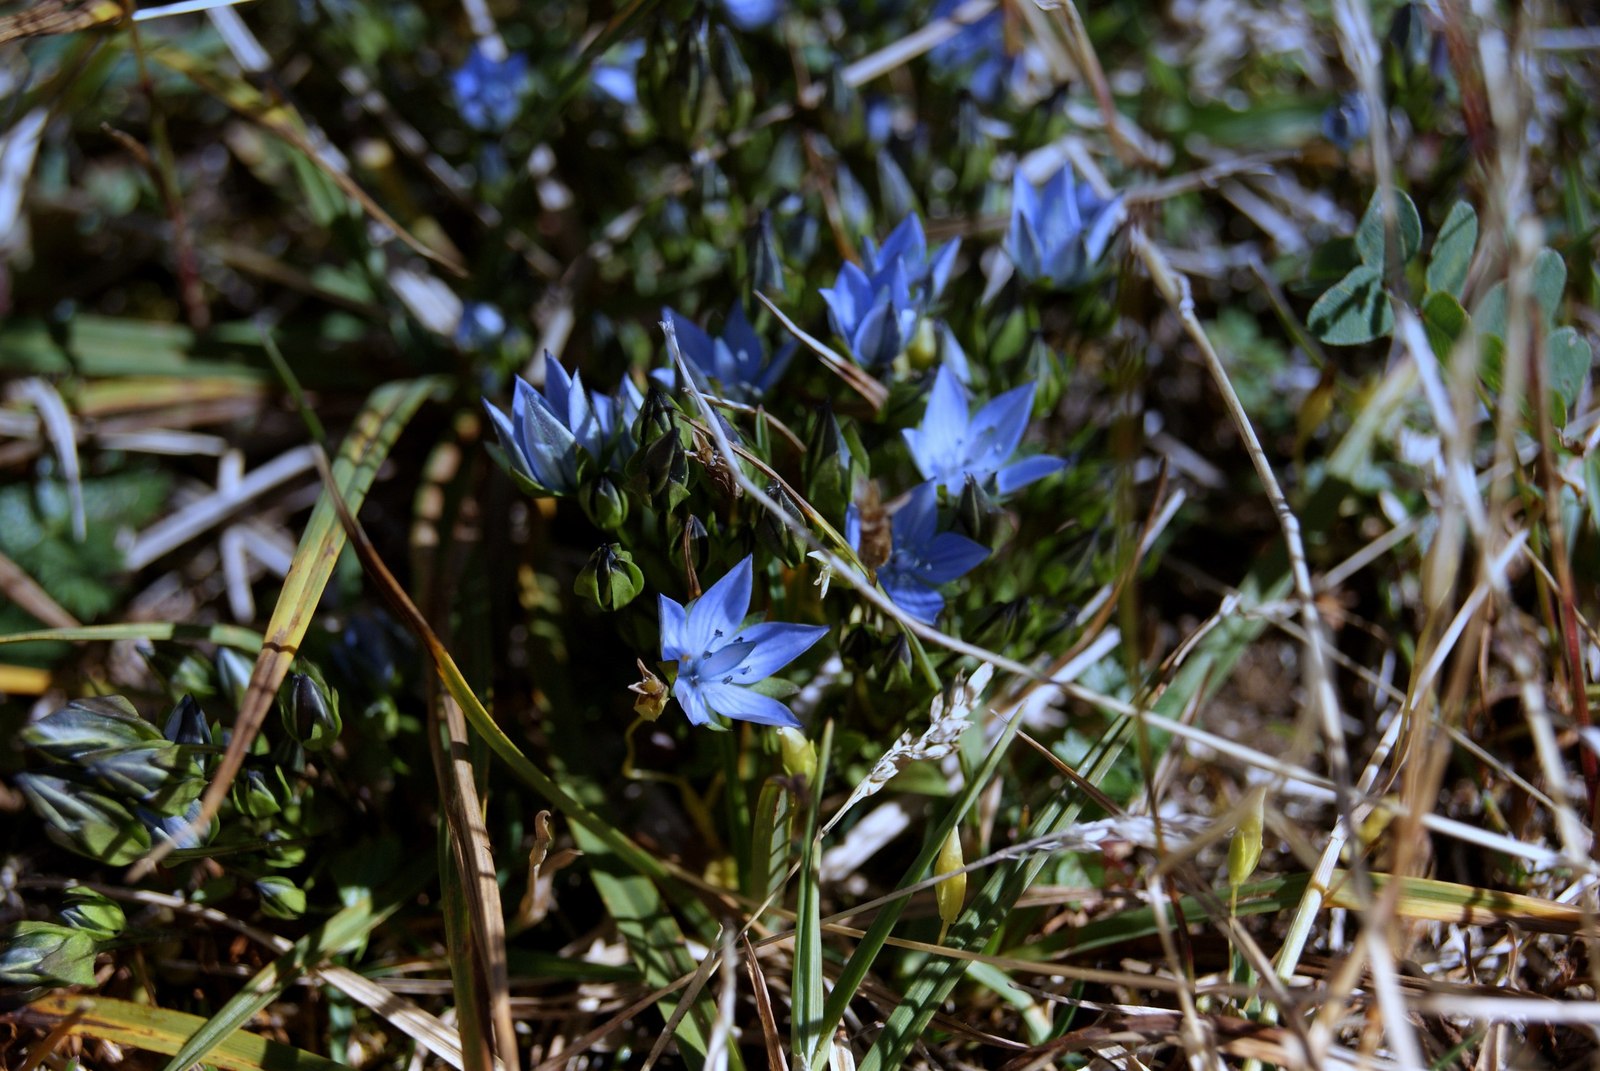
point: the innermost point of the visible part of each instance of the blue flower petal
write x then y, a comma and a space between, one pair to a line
997, 428
916, 599
1016, 476
777, 643
715, 616
877, 340
692, 700
508, 440
950, 556
674, 620
914, 523
746, 704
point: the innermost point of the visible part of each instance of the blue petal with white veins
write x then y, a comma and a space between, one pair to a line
715, 616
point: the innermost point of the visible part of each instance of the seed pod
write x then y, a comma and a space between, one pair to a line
950, 893
799, 754
1244, 850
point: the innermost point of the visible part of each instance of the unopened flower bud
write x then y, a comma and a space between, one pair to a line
89, 725
609, 579
44, 953
733, 80
765, 260
233, 674
660, 467
603, 502
84, 821
280, 897
159, 776
1244, 850
253, 795
778, 534
187, 724
93, 913
310, 712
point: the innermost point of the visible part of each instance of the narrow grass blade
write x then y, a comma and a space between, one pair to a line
140, 1026
236, 636
806, 983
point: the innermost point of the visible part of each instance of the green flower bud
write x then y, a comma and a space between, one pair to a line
951, 892
310, 712
974, 146
974, 512
253, 795
609, 579
764, 259
84, 821
775, 533
659, 469
799, 754
832, 462
695, 542
192, 676
284, 853
159, 776
187, 724
923, 349
85, 725
733, 79
93, 913
683, 96
280, 897
603, 502
43, 953
233, 674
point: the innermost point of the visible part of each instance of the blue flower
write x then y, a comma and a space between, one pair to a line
734, 366
949, 446
1058, 234
750, 15
616, 73
978, 53
876, 308
488, 92
1346, 123
481, 325
922, 557
720, 663
548, 432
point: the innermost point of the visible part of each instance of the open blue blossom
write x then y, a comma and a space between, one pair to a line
488, 92
616, 73
952, 445
922, 557
733, 366
720, 662
750, 15
1059, 233
977, 52
876, 307
481, 325
548, 432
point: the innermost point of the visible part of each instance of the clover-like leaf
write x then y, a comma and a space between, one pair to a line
1444, 321
1369, 235
1356, 310
1452, 251
1567, 361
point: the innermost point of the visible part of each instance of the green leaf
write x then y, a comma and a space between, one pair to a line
1567, 358
1591, 483
1356, 310
1452, 251
1444, 321
1549, 280
1369, 235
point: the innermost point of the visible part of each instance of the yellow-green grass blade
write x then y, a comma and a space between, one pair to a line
236, 636
806, 981
140, 1026
388, 410
343, 931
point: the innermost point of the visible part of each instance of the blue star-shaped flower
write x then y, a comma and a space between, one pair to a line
950, 447
875, 308
615, 75
546, 431
1059, 233
488, 92
734, 366
720, 662
481, 325
922, 557
978, 52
